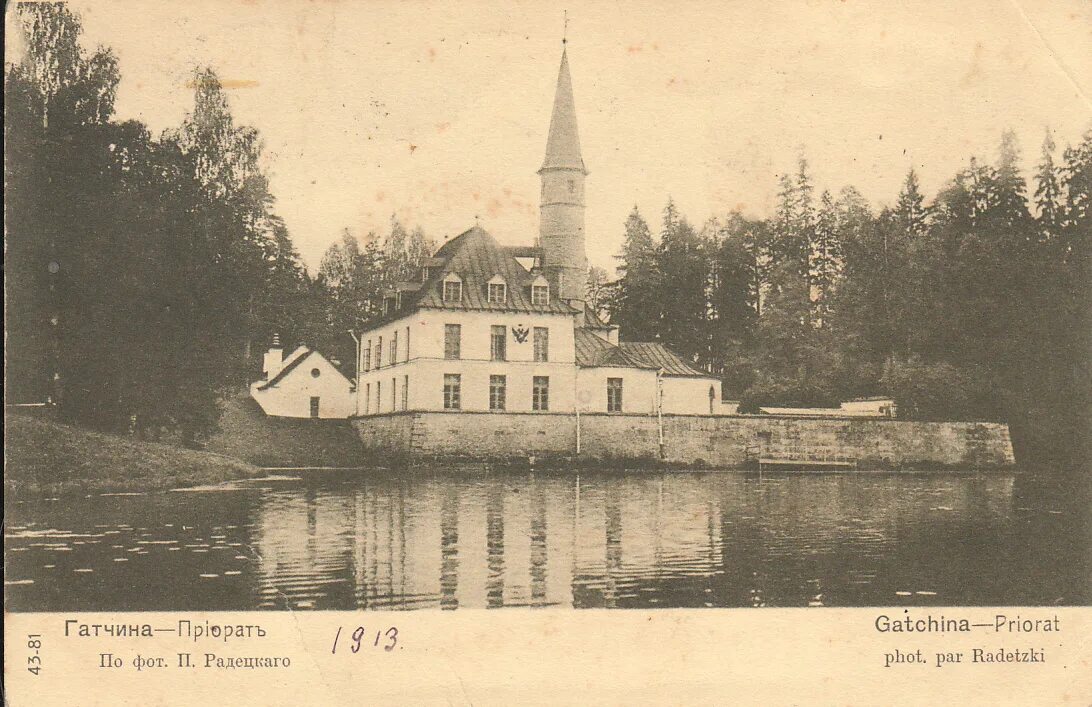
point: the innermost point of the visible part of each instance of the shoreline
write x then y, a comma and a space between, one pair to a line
44, 458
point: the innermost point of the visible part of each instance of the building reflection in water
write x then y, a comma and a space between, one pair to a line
632, 540
616, 541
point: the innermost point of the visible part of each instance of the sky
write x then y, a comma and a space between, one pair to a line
438, 111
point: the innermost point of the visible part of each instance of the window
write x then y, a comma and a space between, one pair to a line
498, 343
379, 353
378, 396
407, 344
394, 394
497, 293
405, 392
540, 393
572, 186
368, 399
540, 294
368, 356
315, 373
314, 407
394, 348
453, 289
452, 391
614, 395
497, 392
542, 343
453, 335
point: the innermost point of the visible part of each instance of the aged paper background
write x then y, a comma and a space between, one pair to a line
715, 656
707, 102
669, 657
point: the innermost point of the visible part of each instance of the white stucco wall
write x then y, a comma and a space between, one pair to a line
729, 407
291, 396
424, 363
690, 396
638, 389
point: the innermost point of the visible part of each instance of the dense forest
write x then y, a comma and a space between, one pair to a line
144, 272
974, 305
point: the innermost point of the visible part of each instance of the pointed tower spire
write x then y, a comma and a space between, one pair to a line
561, 210
563, 143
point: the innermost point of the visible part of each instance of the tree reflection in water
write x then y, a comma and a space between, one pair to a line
474, 540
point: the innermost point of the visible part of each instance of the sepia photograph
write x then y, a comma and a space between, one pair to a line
357, 306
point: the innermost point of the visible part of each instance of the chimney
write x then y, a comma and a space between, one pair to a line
271, 362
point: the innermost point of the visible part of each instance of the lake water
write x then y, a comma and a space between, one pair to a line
475, 539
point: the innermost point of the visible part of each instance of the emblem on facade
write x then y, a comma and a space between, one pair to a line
520, 332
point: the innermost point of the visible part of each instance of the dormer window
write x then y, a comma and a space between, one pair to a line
540, 291
453, 288
497, 290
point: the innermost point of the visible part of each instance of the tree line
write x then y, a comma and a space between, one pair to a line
355, 272
974, 305
144, 271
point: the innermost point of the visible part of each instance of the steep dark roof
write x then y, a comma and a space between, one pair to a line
593, 350
660, 356
476, 257
295, 359
563, 142
523, 251
592, 320
288, 368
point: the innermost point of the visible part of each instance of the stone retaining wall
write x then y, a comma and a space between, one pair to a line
689, 440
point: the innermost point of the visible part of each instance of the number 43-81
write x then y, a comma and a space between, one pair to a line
34, 643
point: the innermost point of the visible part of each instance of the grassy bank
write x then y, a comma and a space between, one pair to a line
247, 433
46, 458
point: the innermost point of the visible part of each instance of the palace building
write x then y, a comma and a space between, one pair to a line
494, 328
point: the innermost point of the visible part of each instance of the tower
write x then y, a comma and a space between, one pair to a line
561, 206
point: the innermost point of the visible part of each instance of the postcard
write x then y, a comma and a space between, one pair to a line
513, 353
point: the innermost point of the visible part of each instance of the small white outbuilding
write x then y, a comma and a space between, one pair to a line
303, 384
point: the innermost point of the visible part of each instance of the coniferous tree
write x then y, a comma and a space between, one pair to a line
635, 307
824, 261
1048, 192
1077, 183
1011, 207
910, 208
683, 280
735, 283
